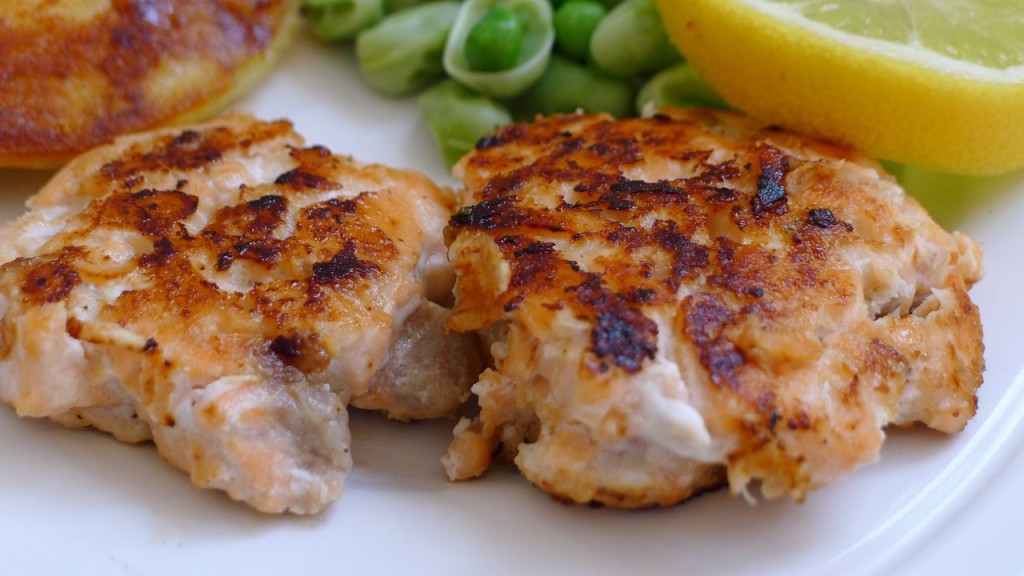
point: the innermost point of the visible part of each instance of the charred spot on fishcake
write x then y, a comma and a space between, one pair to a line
530, 261
262, 250
186, 151
686, 254
743, 267
329, 223
535, 248
722, 195
254, 219
615, 149
49, 282
712, 174
299, 179
312, 155
705, 319
509, 240
301, 352
307, 175
511, 132
621, 333
345, 264
151, 212
504, 184
628, 238
722, 360
739, 217
771, 192
162, 252
701, 156
821, 217
224, 260
799, 422
637, 295
185, 139
496, 212
626, 336
489, 141
564, 148
591, 181
643, 187
324, 220
269, 203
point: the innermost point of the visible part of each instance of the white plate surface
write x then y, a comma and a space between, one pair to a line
77, 502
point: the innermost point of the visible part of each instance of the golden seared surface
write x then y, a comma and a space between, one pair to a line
77, 73
690, 299
226, 291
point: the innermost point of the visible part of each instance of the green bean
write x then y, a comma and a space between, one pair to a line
677, 87
403, 53
459, 117
538, 38
495, 42
631, 40
341, 19
567, 86
575, 22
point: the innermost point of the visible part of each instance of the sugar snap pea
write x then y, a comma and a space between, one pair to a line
538, 37
458, 117
402, 54
679, 87
631, 40
567, 87
341, 19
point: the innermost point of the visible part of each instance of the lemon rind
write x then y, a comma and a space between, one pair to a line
915, 54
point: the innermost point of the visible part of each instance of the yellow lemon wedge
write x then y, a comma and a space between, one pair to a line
935, 84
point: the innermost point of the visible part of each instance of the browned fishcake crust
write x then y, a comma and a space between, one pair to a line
76, 73
692, 299
226, 291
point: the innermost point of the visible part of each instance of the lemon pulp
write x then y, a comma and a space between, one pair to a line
939, 85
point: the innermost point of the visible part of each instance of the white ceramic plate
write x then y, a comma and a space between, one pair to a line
75, 502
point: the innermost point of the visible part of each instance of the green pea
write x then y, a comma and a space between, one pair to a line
575, 22
677, 87
495, 42
567, 86
459, 117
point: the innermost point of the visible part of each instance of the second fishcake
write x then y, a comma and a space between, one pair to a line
693, 299
227, 291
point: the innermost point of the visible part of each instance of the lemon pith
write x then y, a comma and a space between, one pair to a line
828, 86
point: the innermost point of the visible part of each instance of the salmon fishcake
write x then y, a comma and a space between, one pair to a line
693, 299
226, 291
78, 73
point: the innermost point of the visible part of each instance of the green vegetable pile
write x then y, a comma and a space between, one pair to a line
478, 64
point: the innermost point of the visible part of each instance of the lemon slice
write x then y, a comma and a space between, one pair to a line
936, 84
